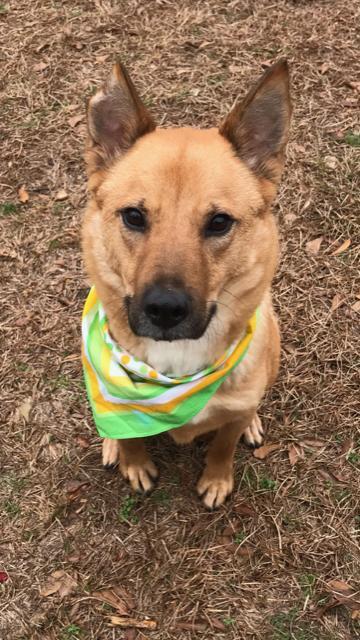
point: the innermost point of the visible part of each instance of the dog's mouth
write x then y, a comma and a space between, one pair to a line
168, 313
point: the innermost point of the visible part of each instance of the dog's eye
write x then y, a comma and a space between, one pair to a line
219, 225
133, 218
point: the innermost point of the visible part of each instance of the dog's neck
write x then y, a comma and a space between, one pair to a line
185, 357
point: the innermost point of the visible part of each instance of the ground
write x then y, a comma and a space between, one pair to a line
264, 565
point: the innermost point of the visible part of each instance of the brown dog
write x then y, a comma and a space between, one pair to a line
181, 245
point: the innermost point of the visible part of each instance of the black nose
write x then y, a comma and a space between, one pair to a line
166, 307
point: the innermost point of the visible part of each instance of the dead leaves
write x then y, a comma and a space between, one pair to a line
73, 489
337, 302
121, 600
313, 246
117, 597
117, 621
23, 195
343, 594
59, 582
263, 452
22, 413
61, 195
343, 247
75, 120
295, 452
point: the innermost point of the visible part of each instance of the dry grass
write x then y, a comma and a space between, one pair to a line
253, 572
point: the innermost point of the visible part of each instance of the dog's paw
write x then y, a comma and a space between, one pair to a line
110, 453
140, 476
214, 490
253, 436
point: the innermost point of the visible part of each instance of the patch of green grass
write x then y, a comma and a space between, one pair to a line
229, 622
12, 482
267, 484
71, 631
12, 508
22, 366
8, 208
285, 627
239, 537
61, 382
4, 8
58, 207
307, 582
126, 510
353, 139
342, 494
353, 457
54, 244
160, 496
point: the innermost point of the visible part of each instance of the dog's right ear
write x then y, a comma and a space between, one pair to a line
116, 119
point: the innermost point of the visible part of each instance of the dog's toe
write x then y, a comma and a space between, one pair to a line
140, 476
214, 491
253, 436
110, 454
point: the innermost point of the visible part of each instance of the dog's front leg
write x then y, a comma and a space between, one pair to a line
134, 462
217, 481
136, 465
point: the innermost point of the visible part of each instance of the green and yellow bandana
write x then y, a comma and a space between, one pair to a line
129, 399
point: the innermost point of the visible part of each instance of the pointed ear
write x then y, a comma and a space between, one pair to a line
116, 119
258, 127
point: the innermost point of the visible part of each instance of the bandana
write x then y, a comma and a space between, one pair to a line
129, 399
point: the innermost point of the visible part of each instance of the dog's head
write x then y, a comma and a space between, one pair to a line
179, 226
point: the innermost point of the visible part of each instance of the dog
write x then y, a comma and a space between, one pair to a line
181, 246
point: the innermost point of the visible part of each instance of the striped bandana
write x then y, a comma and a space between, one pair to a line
129, 399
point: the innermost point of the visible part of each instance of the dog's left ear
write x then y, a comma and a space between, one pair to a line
258, 126
116, 119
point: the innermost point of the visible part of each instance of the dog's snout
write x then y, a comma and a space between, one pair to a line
166, 307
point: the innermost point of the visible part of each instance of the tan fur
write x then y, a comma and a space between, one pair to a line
179, 173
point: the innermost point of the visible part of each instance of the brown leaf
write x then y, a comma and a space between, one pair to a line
74, 120
118, 621
59, 582
23, 411
337, 301
263, 452
324, 68
73, 488
115, 599
190, 626
344, 594
338, 477
330, 162
318, 444
244, 509
356, 306
61, 195
41, 66
245, 551
290, 217
346, 446
355, 614
313, 246
345, 245
295, 452
353, 85
23, 194
83, 442
217, 624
